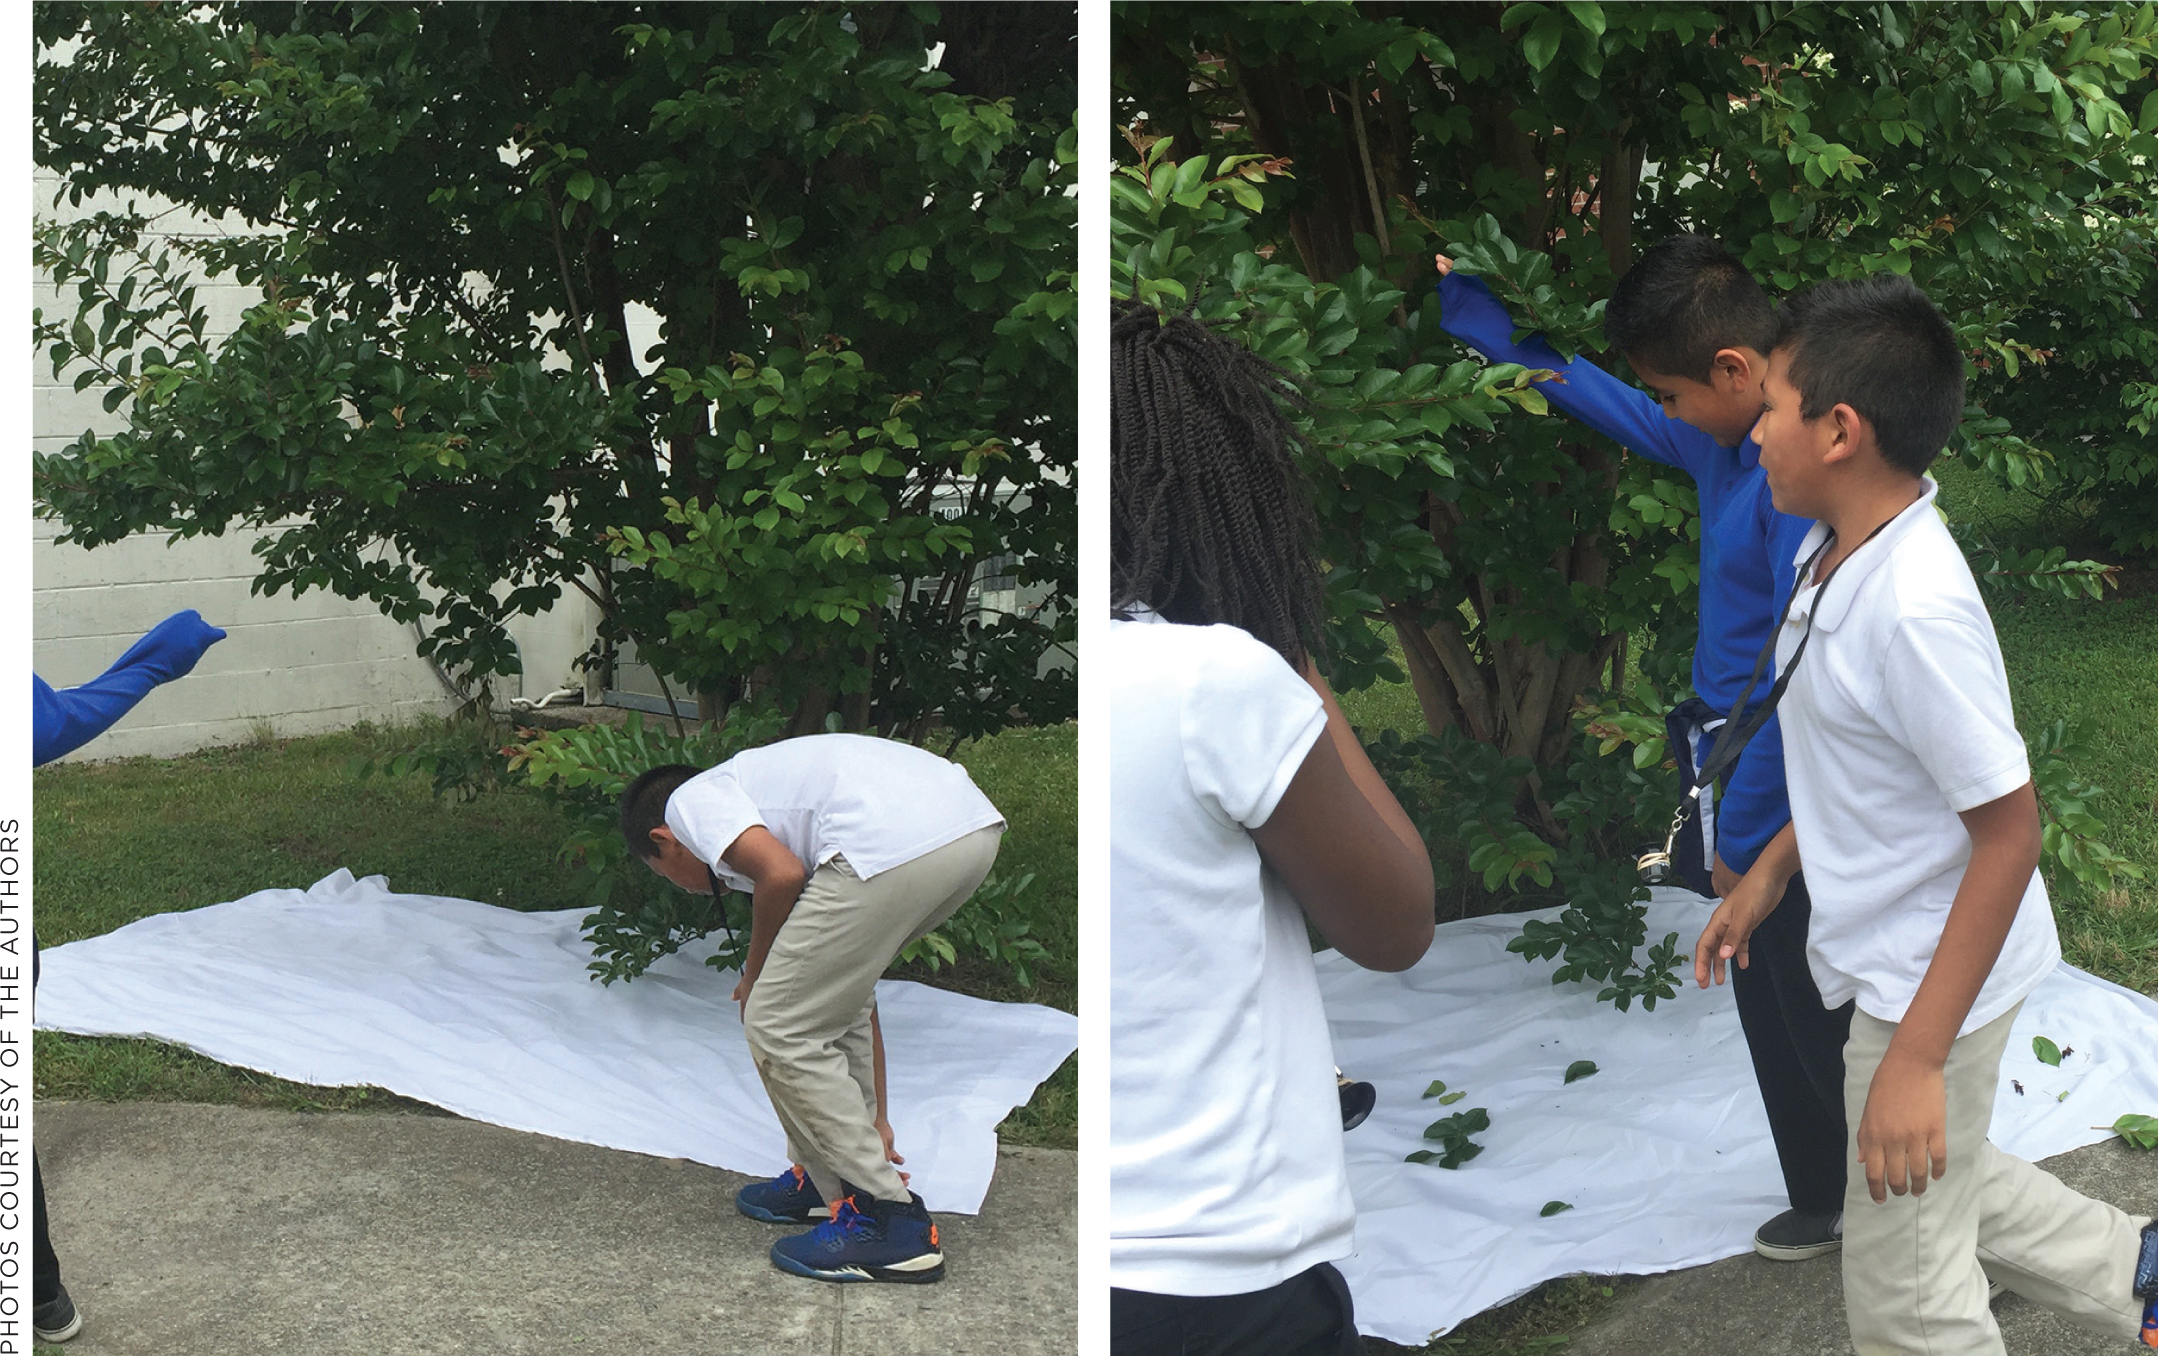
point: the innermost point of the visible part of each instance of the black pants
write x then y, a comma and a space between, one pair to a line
1797, 1047
1306, 1315
44, 1262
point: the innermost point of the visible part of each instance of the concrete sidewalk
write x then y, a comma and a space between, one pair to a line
199, 1229
1761, 1308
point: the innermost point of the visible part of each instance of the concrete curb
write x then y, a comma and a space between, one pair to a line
1762, 1308
188, 1229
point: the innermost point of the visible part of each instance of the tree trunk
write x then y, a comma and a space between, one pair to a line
1283, 118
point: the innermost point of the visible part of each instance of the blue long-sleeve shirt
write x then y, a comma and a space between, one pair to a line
1747, 547
64, 721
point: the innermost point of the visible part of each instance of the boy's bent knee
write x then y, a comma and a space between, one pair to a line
770, 1029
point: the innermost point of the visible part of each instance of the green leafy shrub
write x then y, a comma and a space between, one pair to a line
997, 923
637, 917
2071, 828
1292, 169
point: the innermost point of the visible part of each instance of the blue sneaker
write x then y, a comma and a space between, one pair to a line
890, 1241
790, 1198
2146, 1284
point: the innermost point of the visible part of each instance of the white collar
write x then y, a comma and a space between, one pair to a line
1828, 613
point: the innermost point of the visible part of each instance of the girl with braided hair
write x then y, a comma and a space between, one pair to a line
1241, 806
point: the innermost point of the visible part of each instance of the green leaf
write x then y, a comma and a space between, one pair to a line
1542, 41
1518, 14
1588, 14
2140, 1131
1452, 1097
1421, 1156
1435, 1089
2047, 1051
579, 185
1189, 176
1554, 1207
1459, 1154
1580, 1068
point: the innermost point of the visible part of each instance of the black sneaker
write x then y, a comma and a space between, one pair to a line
1794, 1236
1357, 1099
55, 1320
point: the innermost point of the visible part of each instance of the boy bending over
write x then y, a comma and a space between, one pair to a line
1912, 808
851, 847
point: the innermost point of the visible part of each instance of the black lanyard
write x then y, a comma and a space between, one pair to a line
1731, 741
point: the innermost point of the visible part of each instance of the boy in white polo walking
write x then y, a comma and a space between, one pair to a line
1917, 824
851, 847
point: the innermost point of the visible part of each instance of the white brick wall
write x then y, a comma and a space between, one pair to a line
300, 666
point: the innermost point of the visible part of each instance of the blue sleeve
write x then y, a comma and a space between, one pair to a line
1755, 804
1626, 415
64, 721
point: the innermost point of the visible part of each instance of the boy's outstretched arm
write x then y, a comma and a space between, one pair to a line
1347, 851
64, 721
1625, 414
1753, 898
1903, 1138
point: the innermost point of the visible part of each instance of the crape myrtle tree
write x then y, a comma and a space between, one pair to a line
1291, 171
850, 225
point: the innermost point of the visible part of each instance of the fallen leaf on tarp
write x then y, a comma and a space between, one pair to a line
2047, 1051
1580, 1068
1453, 1133
2140, 1131
1452, 1097
1553, 1207
1435, 1089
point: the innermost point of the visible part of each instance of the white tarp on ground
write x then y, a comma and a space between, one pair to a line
1664, 1153
490, 1013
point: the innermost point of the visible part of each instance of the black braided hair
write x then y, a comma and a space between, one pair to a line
1209, 516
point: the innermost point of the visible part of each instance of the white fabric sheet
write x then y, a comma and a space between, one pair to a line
491, 1014
1664, 1153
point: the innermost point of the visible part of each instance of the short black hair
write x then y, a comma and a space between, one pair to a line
1880, 346
1210, 517
644, 805
1683, 301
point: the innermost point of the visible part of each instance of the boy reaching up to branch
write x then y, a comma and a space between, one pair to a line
1696, 329
1913, 811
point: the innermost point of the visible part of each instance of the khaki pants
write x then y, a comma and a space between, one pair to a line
807, 1019
1915, 1268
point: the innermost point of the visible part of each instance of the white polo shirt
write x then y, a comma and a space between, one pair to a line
1226, 1169
878, 802
1898, 719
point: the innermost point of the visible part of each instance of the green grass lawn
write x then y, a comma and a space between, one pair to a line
2092, 661
119, 841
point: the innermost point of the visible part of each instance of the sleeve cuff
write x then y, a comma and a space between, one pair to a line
1292, 762
1988, 788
